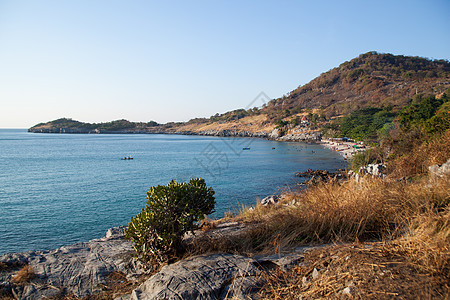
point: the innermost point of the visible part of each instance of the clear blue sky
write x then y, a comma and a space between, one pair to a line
97, 61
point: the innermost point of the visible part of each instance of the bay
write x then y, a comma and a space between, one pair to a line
59, 189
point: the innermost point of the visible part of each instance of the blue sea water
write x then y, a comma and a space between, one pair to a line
59, 189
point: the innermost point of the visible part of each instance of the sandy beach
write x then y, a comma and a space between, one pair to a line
346, 148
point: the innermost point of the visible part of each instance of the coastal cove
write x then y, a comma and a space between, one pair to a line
61, 189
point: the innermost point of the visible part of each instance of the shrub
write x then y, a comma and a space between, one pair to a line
364, 158
170, 212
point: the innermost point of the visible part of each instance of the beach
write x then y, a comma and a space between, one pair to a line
346, 148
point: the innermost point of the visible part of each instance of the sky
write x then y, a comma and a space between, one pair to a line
103, 60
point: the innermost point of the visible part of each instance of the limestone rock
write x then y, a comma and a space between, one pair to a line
270, 200
217, 276
275, 134
440, 170
80, 269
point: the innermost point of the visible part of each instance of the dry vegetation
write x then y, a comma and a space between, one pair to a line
24, 275
412, 220
391, 239
255, 123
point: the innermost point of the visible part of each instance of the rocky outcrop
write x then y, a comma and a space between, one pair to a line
215, 276
303, 136
375, 170
316, 176
269, 200
226, 133
274, 135
80, 269
440, 170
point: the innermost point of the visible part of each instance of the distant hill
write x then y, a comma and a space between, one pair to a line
67, 125
372, 80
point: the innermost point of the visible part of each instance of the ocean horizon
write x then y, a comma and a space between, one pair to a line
60, 189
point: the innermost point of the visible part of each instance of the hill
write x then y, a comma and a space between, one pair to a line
372, 80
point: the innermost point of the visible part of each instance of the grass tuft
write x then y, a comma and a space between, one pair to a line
24, 275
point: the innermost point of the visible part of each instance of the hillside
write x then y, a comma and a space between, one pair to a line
370, 80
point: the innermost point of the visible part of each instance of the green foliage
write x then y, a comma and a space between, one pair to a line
294, 122
363, 124
234, 115
364, 158
280, 123
65, 123
152, 124
440, 122
354, 74
116, 125
170, 212
430, 113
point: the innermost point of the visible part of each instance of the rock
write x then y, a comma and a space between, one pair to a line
116, 232
217, 276
297, 137
347, 291
440, 170
371, 169
80, 269
305, 281
315, 273
270, 200
316, 176
275, 134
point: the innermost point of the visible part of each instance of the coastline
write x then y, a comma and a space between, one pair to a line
345, 148
309, 136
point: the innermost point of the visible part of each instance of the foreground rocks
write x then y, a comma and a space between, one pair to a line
214, 276
80, 269
83, 269
316, 176
440, 170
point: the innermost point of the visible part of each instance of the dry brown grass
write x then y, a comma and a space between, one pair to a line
329, 212
417, 160
410, 221
24, 275
412, 262
367, 271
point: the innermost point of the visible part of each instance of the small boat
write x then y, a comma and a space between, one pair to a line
127, 158
246, 148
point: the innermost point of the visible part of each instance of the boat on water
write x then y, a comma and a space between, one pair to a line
127, 158
246, 148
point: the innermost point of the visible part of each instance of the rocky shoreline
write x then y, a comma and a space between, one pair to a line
310, 136
84, 269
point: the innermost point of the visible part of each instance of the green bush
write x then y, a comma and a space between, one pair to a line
170, 212
360, 159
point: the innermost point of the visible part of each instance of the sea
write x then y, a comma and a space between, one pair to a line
60, 189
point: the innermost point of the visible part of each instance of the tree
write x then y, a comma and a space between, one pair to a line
170, 212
